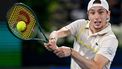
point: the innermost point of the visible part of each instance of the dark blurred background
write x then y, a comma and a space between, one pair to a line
52, 15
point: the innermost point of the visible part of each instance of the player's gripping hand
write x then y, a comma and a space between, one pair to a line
63, 51
51, 45
53, 36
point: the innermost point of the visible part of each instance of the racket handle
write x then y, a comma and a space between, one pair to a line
45, 41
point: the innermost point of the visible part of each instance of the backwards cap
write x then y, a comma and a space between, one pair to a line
103, 3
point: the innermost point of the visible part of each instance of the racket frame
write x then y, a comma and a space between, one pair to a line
37, 25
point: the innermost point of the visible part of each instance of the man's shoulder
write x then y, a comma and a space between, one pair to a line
81, 22
109, 36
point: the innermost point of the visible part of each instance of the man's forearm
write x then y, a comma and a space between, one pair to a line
82, 61
63, 32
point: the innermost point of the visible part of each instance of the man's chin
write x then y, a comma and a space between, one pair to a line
97, 27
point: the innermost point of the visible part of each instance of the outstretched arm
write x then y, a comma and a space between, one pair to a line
54, 36
97, 62
63, 32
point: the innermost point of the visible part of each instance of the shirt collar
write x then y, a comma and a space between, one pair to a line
102, 32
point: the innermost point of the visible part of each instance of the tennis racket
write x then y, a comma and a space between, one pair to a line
21, 12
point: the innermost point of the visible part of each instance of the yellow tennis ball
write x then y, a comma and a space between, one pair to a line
21, 26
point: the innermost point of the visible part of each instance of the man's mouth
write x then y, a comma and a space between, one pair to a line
97, 23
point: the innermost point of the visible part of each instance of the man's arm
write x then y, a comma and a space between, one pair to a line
97, 63
63, 32
54, 36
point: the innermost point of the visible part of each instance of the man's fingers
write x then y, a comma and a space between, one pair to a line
59, 52
51, 45
48, 46
49, 49
56, 50
52, 41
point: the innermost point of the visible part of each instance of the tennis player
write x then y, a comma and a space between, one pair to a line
95, 44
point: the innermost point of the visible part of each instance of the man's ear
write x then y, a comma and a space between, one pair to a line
109, 13
108, 16
88, 15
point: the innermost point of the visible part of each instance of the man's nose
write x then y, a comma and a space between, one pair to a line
96, 16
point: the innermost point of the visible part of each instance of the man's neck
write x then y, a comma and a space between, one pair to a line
93, 30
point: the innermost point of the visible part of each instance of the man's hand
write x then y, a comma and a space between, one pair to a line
53, 36
51, 46
63, 51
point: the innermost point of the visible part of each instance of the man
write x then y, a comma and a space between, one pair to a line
94, 42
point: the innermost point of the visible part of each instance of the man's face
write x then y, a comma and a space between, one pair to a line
98, 17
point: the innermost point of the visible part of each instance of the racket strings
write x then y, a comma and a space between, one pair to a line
14, 18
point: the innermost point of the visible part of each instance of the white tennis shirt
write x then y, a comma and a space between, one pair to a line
88, 45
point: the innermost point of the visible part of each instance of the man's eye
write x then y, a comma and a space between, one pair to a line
100, 12
92, 13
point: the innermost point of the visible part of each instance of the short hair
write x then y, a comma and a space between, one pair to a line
97, 1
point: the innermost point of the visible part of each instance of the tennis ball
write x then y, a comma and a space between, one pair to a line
21, 26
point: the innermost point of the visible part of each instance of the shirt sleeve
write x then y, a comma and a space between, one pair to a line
75, 26
108, 48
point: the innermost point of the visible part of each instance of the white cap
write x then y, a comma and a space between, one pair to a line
103, 3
